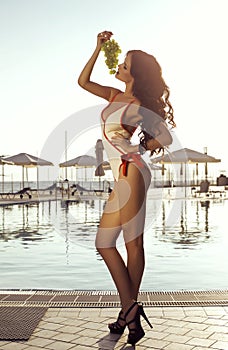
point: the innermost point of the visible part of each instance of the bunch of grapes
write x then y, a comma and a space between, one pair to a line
111, 51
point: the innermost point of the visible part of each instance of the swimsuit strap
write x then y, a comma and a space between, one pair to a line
114, 97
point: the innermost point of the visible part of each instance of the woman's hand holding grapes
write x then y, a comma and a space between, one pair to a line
103, 37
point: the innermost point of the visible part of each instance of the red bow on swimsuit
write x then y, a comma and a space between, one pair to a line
127, 158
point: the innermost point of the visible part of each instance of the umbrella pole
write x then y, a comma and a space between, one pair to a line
2, 178
197, 174
37, 178
185, 179
206, 170
27, 176
65, 153
11, 182
23, 177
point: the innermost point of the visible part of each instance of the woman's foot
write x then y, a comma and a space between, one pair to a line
118, 326
132, 317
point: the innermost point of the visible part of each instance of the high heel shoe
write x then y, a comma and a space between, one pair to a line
136, 332
116, 327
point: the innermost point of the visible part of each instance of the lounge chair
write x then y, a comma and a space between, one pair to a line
205, 189
21, 193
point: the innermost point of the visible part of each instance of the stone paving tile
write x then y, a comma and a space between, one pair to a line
69, 329
201, 342
177, 346
216, 311
218, 329
200, 348
33, 347
43, 333
155, 310
40, 342
3, 342
14, 346
86, 341
90, 333
67, 314
67, 337
220, 345
194, 333
195, 325
156, 320
96, 325
220, 336
197, 312
216, 322
174, 323
182, 339
160, 327
177, 330
156, 343
74, 322
49, 325
59, 345
156, 335
196, 319
81, 347
55, 319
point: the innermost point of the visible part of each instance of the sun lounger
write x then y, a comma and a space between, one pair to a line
21, 193
206, 191
81, 190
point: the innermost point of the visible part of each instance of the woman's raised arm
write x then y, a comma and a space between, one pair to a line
84, 81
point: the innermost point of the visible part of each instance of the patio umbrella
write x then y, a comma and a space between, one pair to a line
187, 156
3, 161
106, 165
99, 157
83, 161
26, 160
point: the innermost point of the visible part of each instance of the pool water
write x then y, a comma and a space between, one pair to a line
51, 246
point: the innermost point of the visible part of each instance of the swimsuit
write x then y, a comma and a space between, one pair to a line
110, 124
126, 207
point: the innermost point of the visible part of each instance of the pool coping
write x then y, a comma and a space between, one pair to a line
98, 298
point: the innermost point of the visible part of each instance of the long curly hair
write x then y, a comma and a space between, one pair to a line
151, 90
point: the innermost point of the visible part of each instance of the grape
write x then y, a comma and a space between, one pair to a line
111, 51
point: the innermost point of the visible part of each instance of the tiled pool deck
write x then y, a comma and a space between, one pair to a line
78, 320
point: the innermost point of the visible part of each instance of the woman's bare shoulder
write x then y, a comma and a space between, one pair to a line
114, 93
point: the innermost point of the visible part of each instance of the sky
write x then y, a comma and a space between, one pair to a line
45, 44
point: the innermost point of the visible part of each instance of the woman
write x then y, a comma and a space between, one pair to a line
144, 103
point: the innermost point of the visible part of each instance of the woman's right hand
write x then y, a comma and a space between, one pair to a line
103, 37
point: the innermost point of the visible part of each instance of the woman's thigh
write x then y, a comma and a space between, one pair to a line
125, 208
133, 210
110, 225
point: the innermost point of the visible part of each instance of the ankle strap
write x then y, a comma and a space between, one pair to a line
130, 308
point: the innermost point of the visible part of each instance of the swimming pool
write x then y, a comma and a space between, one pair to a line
51, 246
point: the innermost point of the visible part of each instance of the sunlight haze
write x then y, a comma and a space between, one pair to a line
45, 44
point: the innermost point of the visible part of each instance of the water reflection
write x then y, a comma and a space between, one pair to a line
23, 223
77, 222
80, 221
191, 229
52, 246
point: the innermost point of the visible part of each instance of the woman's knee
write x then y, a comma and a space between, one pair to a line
136, 244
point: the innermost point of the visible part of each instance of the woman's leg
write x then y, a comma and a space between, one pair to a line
108, 232
135, 264
119, 273
125, 210
133, 220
